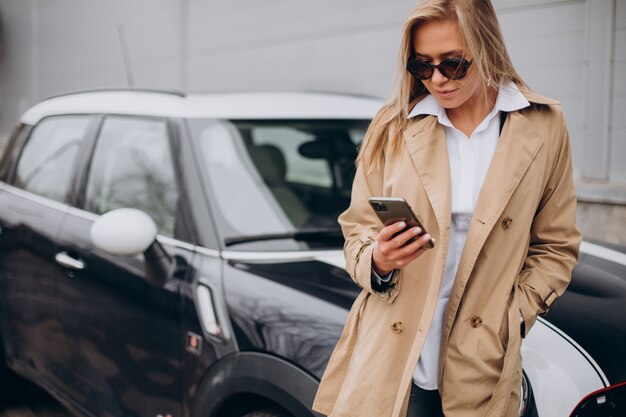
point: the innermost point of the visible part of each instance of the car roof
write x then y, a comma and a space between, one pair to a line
249, 105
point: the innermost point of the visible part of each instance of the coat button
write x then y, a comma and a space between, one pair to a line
397, 327
476, 321
506, 222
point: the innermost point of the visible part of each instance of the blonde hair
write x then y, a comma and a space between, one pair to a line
481, 33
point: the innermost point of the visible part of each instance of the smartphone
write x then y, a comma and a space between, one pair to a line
394, 209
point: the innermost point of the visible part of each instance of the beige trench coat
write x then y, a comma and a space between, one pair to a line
521, 248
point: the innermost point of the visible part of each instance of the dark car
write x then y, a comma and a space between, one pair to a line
179, 255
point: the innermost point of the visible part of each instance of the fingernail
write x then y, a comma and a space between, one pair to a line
416, 231
426, 237
401, 225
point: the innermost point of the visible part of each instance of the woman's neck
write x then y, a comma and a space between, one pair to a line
468, 116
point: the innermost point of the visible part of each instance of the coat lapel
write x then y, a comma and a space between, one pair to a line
515, 151
426, 143
516, 148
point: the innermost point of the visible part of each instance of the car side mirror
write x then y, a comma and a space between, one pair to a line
124, 231
129, 232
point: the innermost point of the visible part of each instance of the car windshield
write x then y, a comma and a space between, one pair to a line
278, 184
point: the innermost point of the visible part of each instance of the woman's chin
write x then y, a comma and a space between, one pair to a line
449, 103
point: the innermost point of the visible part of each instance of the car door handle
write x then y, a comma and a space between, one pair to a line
67, 261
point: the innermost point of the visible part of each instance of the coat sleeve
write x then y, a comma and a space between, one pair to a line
554, 239
360, 227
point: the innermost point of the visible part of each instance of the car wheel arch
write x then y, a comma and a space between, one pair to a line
558, 369
271, 379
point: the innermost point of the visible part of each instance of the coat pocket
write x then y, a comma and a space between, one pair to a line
509, 316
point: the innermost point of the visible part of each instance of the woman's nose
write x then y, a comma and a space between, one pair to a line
438, 77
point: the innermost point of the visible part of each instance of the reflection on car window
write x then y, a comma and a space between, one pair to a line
46, 164
294, 167
277, 176
241, 194
132, 167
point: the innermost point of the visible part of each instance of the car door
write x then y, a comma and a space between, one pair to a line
124, 328
32, 207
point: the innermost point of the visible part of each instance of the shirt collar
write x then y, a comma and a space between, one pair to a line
509, 99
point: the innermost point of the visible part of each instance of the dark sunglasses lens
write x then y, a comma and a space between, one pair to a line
419, 69
454, 69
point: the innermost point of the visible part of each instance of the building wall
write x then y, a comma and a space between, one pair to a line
618, 115
572, 50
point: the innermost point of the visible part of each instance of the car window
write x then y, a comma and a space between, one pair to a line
46, 163
268, 177
307, 165
132, 166
287, 140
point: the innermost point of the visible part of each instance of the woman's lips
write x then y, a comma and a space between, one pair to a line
446, 93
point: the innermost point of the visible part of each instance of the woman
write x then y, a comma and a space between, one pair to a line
485, 163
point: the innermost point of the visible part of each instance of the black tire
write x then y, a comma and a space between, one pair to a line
267, 412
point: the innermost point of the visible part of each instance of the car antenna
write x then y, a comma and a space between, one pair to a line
126, 55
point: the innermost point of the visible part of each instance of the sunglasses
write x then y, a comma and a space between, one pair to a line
451, 68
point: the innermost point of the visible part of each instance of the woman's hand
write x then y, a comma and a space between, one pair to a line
390, 254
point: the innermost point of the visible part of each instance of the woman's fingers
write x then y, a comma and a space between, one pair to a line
387, 232
400, 263
398, 247
413, 247
410, 248
404, 237
386, 236
401, 240
395, 251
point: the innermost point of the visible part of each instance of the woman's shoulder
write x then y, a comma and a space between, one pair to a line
543, 110
546, 117
535, 98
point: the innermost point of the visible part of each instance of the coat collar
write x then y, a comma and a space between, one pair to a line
526, 93
536, 98
509, 99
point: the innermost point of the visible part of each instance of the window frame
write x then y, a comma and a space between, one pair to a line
22, 141
8, 163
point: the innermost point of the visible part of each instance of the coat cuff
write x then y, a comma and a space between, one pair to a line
363, 273
536, 298
380, 284
381, 279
